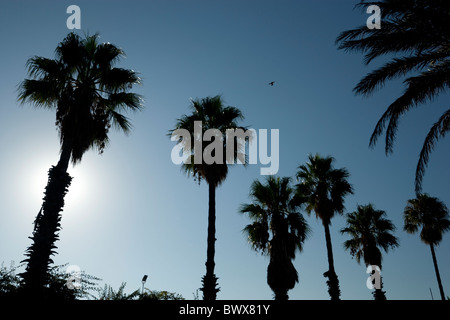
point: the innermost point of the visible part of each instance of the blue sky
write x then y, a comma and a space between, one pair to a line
131, 211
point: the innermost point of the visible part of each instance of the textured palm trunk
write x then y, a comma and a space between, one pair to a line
210, 280
46, 227
281, 273
333, 281
436, 269
372, 257
275, 274
281, 276
378, 293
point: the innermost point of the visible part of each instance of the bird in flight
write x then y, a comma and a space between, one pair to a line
271, 83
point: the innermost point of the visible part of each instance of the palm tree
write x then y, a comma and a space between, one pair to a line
275, 210
369, 232
88, 94
419, 31
430, 214
213, 115
323, 189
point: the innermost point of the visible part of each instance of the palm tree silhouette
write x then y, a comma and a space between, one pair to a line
88, 94
430, 214
419, 31
275, 210
213, 115
323, 189
369, 232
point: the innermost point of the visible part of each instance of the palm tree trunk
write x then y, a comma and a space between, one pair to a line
46, 228
379, 294
375, 261
441, 289
66, 152
210, 280
281, 295
333, 281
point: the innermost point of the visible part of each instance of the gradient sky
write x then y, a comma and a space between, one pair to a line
131, 211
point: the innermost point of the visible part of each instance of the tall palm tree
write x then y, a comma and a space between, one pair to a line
88, 95
323, 188
213, 115
275, 210
370, 231
430, 214
417, 30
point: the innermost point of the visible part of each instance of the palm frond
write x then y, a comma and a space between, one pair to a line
70, 51
124, 101
299, 229
118, 79
120, 121
107, 55
437, 131
258, 236
41, 93
396, 68
255, 211
419, 89
40, 67
417, 30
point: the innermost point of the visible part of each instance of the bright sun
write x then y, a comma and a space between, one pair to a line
77, 190
39, 177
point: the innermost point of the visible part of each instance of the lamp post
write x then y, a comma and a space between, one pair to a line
144, 279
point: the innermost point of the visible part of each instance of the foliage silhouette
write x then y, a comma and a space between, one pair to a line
430, 214
160, 295
369, 231
323, 188
214, 115
9, 282
275, 211
419, 31
108, 293
11, 285
88, 94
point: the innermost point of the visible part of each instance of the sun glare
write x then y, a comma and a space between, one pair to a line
78, 188
39, 177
